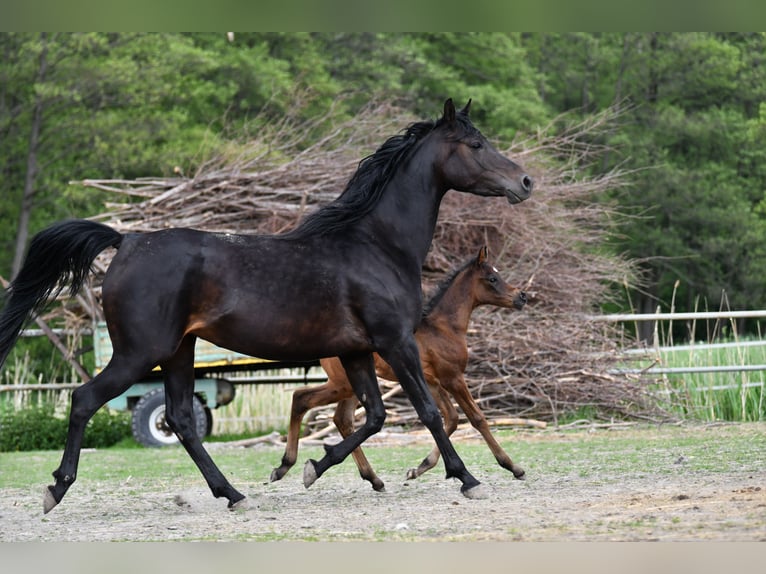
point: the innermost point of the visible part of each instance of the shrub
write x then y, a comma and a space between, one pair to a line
38, 428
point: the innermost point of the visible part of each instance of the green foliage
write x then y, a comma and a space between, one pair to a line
147, 104
39, 428
34, 428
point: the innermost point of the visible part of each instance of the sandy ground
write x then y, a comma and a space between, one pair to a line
683, 506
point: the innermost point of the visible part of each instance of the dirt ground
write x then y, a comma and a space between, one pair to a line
605, 506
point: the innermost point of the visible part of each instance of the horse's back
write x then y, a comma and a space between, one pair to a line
264, 295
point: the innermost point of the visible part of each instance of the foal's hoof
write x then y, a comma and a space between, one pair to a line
309, 473
276, 475
49, 502
478, 492
412, 474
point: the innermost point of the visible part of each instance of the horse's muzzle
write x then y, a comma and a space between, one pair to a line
520, 191
520, 300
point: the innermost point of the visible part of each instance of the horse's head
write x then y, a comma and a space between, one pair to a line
468, 162
491, 289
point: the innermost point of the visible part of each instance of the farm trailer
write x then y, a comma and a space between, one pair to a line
212, 389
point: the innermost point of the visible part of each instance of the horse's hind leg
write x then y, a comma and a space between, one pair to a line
344, 421
179, 394
361, 373
450, 425
115, 379
304, 399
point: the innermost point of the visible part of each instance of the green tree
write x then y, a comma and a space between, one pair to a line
74, 106
702, 175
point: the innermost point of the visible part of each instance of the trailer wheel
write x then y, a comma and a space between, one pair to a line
148, 420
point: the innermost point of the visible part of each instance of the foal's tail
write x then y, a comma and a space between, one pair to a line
64, 251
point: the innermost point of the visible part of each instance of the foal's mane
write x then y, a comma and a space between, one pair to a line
441, 289
365, 188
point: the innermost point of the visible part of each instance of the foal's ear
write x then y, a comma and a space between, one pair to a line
482, 257
466, 110
449, 111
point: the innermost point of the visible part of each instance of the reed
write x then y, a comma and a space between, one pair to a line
711, 395
22, 370
257, 408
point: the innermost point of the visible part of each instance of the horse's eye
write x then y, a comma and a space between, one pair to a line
475, 145
492, 279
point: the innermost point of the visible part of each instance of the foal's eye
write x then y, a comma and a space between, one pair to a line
492, 279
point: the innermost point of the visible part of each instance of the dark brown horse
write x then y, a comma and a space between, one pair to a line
345, 283
441, 338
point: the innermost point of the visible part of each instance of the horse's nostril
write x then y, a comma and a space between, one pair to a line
523, 297
527, 183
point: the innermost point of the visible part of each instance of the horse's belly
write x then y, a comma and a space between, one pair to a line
288, 340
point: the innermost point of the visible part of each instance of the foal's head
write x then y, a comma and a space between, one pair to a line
489, 288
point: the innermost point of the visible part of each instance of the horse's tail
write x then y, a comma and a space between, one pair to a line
63, 251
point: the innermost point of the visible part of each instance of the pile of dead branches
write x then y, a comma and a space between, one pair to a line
548, 359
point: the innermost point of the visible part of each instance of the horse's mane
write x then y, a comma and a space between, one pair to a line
441, 289
365, 188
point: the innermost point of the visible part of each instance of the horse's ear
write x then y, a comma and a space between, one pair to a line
482, 257
449, 111
466, 110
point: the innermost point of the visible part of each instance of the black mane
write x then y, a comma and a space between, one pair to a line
364, 189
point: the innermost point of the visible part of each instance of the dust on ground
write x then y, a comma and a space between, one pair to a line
699, 506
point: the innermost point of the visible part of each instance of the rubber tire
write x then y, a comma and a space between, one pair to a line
148, 420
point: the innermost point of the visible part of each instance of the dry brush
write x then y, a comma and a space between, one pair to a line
539, 363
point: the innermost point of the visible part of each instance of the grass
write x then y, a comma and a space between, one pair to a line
583, 471
605, 454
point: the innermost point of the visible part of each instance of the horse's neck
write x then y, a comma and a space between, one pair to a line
456, 305
407, 213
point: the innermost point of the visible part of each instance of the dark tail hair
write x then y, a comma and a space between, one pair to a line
64, 249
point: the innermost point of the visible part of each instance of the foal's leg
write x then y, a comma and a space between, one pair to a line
404, 359
361, 373
179, 394
344, 422
459, 390
450, 424
114, 380
306, 398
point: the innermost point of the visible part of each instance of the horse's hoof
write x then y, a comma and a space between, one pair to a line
49, 502
240, 505
275, 475
378, 486
519, 474
478, 492
309, 473
412, 474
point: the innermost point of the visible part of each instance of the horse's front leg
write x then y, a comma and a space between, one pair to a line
404, 359
458, 388
344, 422
450, 425
361, 374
